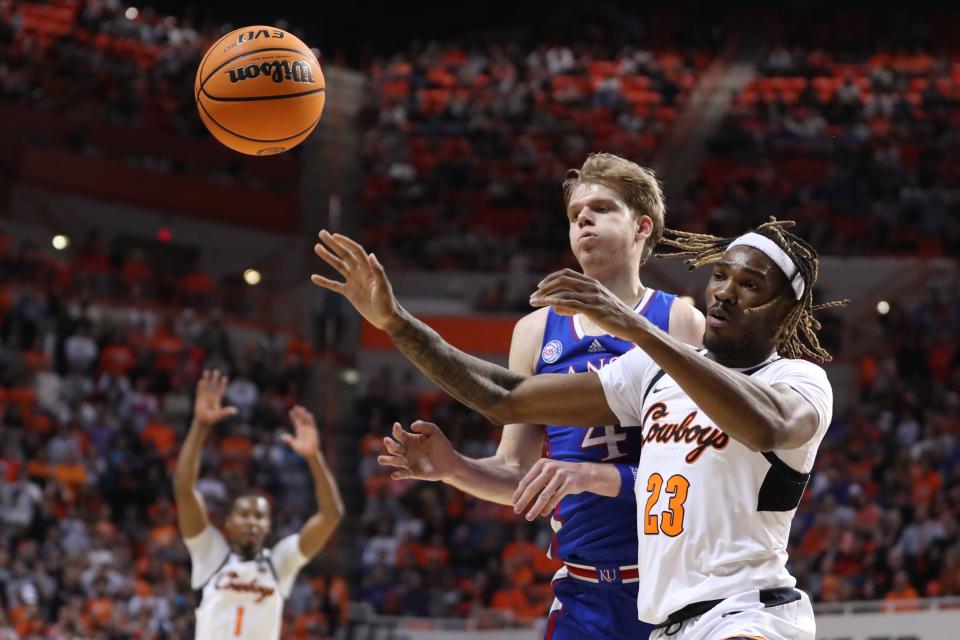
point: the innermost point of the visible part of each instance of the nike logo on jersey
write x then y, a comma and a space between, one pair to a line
657, 390
684, 431
595, 347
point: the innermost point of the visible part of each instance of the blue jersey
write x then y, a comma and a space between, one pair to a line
588, 528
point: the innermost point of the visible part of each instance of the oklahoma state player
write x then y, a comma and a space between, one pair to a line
243, 585
730, 431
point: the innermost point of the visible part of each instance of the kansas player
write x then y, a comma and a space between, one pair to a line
615, 214
730, 431
243, 585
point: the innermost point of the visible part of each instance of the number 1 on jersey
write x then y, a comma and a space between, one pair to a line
611, 439
238, 627
670, 521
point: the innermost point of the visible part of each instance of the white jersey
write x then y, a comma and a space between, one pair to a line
713, 517
241, 598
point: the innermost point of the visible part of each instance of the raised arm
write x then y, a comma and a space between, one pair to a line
306, 442
207, 411
763, 417
500, 395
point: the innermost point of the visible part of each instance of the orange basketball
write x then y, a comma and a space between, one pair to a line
260, 90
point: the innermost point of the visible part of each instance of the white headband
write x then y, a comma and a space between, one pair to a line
773, 251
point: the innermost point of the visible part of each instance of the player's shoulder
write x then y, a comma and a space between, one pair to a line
530, 328
686, 321
783, 367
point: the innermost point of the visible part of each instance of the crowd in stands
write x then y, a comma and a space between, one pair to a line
428, 549
141, 64
139, 272
880, 519
471, 141
109, 81
860, 146
95, 397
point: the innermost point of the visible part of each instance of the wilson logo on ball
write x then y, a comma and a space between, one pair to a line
278, 71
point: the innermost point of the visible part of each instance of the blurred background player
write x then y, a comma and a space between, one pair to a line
242, 585
615, 212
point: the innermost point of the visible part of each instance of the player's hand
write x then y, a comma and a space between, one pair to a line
545, 484
306, 441
570, 292
425, 454
208, 407
365, 282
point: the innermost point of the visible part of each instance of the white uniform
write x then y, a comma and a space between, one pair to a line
713, 517
241, 598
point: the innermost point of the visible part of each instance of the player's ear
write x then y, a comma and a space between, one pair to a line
644, 226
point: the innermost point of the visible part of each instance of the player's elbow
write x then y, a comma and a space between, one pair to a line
507, 410
337, 512
775, 434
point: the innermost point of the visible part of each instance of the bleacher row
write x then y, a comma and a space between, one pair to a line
471, 141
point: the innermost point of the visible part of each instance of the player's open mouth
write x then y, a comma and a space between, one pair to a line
717, 317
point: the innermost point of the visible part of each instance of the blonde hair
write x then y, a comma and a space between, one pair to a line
638, 186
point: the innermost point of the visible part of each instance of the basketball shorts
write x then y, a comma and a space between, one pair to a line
745, 616
599, 611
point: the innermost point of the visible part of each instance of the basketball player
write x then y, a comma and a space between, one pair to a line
615, 214
730, 432
242, 584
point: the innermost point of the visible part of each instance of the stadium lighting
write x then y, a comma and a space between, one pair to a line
251, 277
60, 242
131, 13
688, 300
883, 307
350, 376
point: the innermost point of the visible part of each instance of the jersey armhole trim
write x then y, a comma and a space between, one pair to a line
198, 592
656, 378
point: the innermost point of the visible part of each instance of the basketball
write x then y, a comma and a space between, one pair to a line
260, 90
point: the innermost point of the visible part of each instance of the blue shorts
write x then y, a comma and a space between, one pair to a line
599, 611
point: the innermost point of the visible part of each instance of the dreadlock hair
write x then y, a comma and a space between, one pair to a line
797, 333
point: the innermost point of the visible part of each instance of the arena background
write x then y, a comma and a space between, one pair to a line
136, 251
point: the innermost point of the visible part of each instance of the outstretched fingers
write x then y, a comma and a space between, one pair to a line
348, 261
327, 256
530, 487
548, 498
327, 283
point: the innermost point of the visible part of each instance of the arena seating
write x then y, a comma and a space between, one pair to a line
95, 395
855, 145
471, 142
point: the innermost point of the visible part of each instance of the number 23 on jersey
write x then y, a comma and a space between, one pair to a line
670, 520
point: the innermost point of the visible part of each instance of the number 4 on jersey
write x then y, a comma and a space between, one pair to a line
611, 439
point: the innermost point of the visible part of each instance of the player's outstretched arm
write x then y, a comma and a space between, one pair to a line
763, 417
306, 442
548, 481
207, 411
424, 453
501, 395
